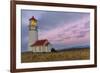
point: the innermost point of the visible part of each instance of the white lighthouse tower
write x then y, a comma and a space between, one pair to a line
33, 33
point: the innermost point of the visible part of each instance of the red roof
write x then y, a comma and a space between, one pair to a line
33, 18
41, 42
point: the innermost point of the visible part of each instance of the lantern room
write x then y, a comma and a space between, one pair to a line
32, 23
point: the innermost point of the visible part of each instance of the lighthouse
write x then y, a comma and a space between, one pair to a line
33, 33
36, 45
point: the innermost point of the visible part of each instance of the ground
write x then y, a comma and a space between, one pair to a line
73, 54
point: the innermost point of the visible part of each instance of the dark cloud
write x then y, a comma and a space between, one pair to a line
67, 38
80, 36
50, 19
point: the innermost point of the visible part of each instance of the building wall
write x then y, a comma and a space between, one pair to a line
41, 49
49, 47
33, 49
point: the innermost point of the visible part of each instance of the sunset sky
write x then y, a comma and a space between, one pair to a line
62, 29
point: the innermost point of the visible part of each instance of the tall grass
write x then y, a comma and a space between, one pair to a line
79, 54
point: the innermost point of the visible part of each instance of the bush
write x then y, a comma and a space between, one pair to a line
53, 50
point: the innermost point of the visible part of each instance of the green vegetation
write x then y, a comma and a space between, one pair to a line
73, 54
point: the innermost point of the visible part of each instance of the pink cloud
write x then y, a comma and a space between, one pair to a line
67, 33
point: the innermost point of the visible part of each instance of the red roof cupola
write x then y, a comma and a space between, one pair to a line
33, 18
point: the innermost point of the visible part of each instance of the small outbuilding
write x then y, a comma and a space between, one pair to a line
41, 46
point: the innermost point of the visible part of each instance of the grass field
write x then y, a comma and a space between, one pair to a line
73, 54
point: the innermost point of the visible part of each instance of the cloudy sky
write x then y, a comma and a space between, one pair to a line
62, 29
